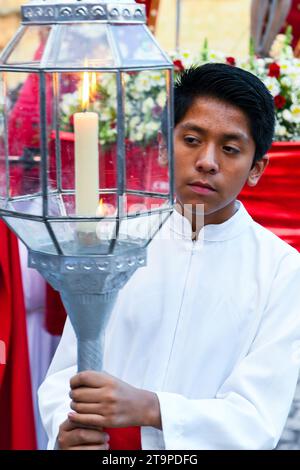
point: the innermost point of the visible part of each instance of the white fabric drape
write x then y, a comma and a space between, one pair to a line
212, 327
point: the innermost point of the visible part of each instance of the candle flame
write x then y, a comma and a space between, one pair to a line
100, 209
85, 91
93, 85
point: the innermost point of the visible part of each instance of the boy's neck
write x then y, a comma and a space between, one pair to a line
198, 220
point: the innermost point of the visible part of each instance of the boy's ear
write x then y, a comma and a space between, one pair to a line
257, 170
162, 150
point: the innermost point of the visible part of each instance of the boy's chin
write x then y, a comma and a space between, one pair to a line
192, 207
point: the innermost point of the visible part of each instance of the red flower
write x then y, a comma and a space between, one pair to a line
178, 66
274, 70
231, 61
279, 101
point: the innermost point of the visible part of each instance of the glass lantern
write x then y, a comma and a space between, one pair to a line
86, 176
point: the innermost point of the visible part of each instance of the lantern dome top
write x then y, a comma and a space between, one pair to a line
66, 11
83, 34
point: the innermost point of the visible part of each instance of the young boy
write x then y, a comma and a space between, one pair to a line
202, 350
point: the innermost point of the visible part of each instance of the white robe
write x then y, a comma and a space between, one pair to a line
213, 327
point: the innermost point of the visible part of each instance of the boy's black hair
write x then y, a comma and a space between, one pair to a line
236, 87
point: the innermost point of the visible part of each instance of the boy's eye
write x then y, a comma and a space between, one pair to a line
189, 139
229, 149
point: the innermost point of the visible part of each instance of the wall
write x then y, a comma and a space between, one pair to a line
225, 23
9, 19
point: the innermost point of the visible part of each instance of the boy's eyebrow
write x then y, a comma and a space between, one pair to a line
228, 136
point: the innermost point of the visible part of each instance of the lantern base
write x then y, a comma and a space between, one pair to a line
89, 287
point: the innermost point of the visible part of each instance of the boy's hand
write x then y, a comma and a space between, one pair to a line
102, 401
71, 437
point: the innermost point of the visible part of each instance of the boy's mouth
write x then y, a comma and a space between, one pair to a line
201, 187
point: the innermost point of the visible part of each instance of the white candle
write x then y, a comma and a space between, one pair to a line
86, 130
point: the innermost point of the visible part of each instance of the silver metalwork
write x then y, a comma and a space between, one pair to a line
49, 11
87, 270
44, 167
170, 134
121, 160
89, 288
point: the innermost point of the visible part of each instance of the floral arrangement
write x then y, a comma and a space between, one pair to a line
145, 99
280, 73
146, 96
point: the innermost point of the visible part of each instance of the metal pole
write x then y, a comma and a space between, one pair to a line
178, 18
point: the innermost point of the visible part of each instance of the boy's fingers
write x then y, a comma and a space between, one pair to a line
89, 378
93, 420
85, 394
67, 426
80, 436
86, 408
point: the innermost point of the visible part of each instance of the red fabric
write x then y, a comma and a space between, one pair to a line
16, 410
55, 312
24, 131
125, 438
275, 201
293, 19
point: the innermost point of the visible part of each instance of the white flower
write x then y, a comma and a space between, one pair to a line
272, 85
280, 130
260, 62
161, 98
214, 56
295, 112
105, 114
137, 136
68, 100
128, 107
143, 82
286, 81
287, 115
152, 127
148, 105
134, 122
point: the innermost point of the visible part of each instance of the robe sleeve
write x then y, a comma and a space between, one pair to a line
53, 394
252, 405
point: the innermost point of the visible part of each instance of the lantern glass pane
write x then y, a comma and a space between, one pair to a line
136, 46
29, 50
64, 205
146, 130
84, 238
22, 110
141, 229
79, 45
33, 233
141, 204
90, 171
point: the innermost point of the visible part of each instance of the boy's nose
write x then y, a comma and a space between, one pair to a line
207, 160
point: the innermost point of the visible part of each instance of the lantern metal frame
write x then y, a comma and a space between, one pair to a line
88, 282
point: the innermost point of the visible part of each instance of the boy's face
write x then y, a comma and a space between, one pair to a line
214, 147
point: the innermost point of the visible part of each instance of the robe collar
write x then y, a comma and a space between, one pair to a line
229, 229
